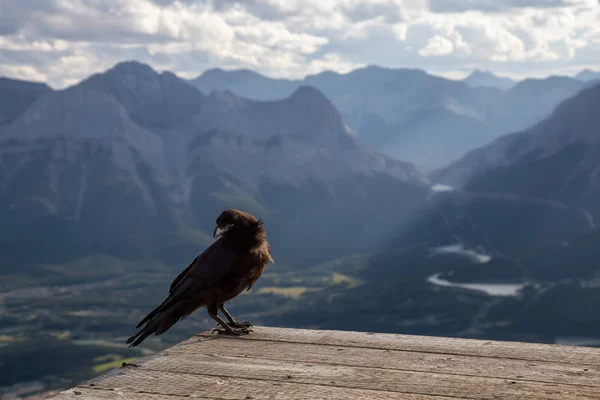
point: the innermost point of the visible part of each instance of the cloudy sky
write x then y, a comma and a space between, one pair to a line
62, 41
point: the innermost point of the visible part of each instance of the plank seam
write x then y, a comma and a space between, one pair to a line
311, 384
415, 351
410, 370
142, 392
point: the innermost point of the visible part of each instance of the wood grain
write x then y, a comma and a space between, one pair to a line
549, 372
276, 363
432, 384
430, 344
139, 384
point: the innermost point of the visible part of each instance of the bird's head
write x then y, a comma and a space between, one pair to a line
235, 221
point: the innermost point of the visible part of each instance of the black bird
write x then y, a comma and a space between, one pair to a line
226, 268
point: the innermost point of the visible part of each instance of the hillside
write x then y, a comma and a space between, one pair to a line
16, 96
555, 160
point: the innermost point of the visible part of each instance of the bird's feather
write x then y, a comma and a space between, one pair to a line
211, 266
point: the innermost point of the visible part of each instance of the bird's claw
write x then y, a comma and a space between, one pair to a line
232, 331
242, 325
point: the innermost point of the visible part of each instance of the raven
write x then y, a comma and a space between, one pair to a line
232, 264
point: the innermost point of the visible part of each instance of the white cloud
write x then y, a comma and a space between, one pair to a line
65, 40
442, 6
25, 72
437, 46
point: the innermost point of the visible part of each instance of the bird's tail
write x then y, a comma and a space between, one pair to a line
152, 322
148, 330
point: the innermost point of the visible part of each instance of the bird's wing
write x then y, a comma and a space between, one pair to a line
209, 267
212, 265
183, 273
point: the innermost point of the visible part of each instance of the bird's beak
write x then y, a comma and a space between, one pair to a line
219, 230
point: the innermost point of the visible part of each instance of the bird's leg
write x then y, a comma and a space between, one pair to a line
227, 330
232, 322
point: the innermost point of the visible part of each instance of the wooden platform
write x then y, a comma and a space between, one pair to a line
274, 363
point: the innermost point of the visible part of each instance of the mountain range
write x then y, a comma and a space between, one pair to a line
411, 115
133, 163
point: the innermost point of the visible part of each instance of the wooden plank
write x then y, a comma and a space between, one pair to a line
367, 379
426, 344
277, 363
548, 372
83, 393
138, 383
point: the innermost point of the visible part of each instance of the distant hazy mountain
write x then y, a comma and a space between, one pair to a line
588, 75
394, 110
245, 83
430, 120
557, 159
138, 164
410, 115
16, 96
486, 78
532, 100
